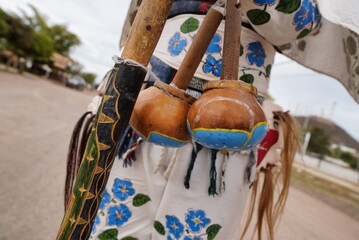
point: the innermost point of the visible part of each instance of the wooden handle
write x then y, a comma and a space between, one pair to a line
198, 48
232, 34
146, 30
112, 120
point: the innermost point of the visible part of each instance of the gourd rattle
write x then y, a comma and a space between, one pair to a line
227, 116
160, 112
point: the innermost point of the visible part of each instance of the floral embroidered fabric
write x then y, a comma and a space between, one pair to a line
256, 58
141, 204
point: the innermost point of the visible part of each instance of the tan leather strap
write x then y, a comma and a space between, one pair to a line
232, 34
198, 48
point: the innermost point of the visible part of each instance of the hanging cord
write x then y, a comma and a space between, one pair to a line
251, 163
196, 149
171, 164
125, 144
219, 6
131, 62
75, 153
222, 188
160, 161
129, 156
212, 190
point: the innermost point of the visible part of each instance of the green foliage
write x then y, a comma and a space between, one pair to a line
319, 141
258, 17
268, 70
248, 78
88, 77
349, 158
140, 199
303, 33
159, 227
190, 25
64, 39
3, 24
42, 47
110, 234
31, 36
212, 231
288, 6
19, 37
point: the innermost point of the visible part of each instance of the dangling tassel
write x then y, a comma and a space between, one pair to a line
161, 160
128, 145
213, 174
251, 163
171, 164
79, 135
223, 173
195, 151
129, 156
125, 141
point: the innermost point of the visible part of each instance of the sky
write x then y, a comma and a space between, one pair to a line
99, 23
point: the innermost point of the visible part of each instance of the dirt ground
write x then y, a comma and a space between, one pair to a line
36, 120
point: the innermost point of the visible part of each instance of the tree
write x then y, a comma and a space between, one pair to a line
64, 40
349, 158
89, 77
3, 24
319, 141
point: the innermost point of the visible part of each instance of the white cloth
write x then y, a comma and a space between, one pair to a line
171, 203
258, 69
342, 13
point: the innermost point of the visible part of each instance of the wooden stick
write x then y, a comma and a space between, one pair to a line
198, 48
111, 121
232, 34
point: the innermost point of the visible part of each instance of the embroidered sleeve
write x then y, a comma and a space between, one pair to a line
282, 21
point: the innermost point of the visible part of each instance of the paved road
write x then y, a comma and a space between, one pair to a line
36, 120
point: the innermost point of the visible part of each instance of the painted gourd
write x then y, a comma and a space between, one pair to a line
160, 112
227, 116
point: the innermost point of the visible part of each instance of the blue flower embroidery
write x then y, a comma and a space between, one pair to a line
214, 46
174, 226
118, 215
105, 199
263, 2
256, 54
122, 189
176, 44
316, 16
213, 65
304, 16
192, 238
97, 221
196, 220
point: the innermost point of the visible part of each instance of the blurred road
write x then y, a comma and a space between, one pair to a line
36, 121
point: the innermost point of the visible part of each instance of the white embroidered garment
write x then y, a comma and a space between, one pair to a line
257, 54
323, 36
145, 205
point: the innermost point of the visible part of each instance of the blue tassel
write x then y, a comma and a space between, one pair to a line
252, 161
195, 152
125, 143
212, 190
